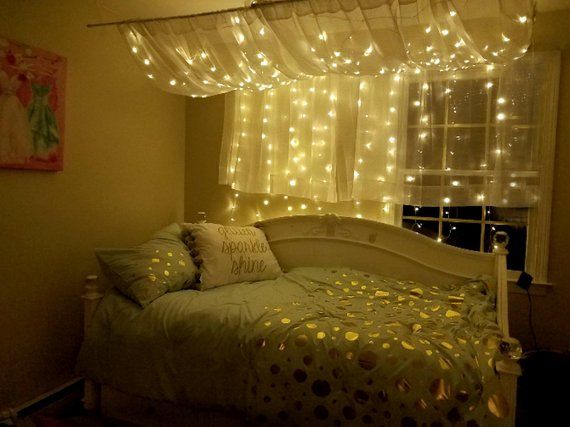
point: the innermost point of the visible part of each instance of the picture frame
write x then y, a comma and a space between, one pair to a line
32, 107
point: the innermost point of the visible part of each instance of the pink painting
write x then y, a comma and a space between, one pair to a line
32, 107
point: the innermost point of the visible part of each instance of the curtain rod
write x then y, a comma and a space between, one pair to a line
253, 5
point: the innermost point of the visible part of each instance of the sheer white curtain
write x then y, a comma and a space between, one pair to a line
468, 137
274, 44
317, 139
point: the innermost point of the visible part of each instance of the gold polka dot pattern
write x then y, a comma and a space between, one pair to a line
359, 349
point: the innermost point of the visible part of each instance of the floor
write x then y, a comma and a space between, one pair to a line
543, 396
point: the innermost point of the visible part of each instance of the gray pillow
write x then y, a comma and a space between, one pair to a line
145, 272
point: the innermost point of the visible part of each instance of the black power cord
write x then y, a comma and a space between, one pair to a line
524, 281
530, 323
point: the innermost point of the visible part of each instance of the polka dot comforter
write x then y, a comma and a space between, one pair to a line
314, 347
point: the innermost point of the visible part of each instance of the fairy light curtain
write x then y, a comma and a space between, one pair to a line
277, 43
468, 137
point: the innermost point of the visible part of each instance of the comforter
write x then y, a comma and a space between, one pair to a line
315, 346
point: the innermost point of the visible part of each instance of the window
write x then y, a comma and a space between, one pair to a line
452, 142
472, 227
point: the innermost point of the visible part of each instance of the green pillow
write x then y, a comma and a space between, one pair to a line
145, 272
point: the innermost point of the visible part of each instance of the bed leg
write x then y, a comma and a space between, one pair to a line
91, 396
509, 372
92, 295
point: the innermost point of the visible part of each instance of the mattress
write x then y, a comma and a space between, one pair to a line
315, 346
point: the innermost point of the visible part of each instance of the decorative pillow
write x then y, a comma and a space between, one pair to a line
228, 254
145, 272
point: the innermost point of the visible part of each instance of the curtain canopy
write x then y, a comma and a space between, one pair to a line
275, 44
463, 138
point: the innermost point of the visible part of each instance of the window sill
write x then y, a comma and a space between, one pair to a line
539, 288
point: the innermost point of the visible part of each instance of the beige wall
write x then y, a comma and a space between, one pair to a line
123, 179
551, 312
204, 119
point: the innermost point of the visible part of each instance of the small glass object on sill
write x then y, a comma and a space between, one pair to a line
201, 217
510, 348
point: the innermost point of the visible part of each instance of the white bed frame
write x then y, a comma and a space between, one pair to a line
332, 241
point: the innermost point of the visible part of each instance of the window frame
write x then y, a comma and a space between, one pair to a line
538, 217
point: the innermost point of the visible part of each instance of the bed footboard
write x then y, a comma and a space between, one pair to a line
92, 294
509, 372
508, 368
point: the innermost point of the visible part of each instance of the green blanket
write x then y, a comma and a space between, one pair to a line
316, 346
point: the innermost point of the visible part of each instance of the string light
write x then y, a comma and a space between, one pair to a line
309, 142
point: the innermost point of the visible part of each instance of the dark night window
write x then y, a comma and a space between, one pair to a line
472, 227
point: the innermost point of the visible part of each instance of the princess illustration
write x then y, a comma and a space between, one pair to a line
15, 133
42, 121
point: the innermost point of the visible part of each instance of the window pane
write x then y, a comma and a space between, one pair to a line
516, 246
463, 212
414, 109
435, 102
518, 215
468, 101
428, 99
427, 228
410, 210
465, 148
466, 236
516, 145
424, 148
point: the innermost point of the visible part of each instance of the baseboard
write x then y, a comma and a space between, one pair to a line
43, 400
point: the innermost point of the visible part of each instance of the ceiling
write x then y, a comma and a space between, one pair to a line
127, 9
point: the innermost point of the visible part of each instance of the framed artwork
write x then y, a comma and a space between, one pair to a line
32, 107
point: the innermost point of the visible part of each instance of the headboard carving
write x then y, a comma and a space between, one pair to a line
329, 225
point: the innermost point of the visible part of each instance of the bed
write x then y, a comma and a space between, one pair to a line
370, 324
